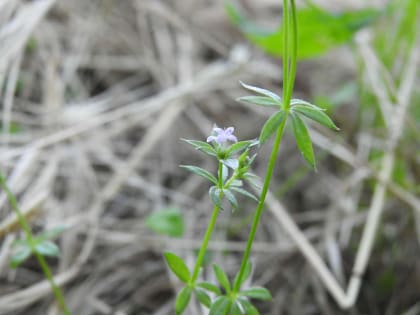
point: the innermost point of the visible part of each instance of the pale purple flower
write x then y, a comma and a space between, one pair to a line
221, 136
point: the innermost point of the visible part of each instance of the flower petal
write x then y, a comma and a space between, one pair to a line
232, 138
218, 130
211, 138
229, 130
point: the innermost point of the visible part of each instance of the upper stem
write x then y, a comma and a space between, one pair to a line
289, 72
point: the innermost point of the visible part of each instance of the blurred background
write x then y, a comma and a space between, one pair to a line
96, 95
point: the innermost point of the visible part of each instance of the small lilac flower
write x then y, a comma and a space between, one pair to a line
221, 136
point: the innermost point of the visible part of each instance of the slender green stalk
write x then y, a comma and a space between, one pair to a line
260, 205
292, 62
208, 233
289, 72
30, 238
285, 28
204, 244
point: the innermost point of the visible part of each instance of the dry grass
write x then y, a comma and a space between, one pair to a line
102, 91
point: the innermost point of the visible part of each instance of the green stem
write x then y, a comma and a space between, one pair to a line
285, 28
30, 238
292, 62
260, 205
289, 72
208, 233
204, 244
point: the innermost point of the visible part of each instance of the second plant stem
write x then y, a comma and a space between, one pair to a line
29, 237
289, 72
260, 205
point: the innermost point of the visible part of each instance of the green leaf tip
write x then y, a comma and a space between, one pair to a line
303, 140
178, 267
271, 125
182, 300
315, 113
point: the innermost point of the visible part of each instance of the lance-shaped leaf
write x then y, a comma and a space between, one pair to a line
216, 196
47, 248
239, 146
271, 125
222, 278
22, 252
203, 297
315, 114
260, 100
202, 146
178, 267
258, 293
231, 198
51, 233
245, 276
236, 309
221, 306
182, 300
210, 287
261, 91
249, 308
232, 163
201, 172
244, 192
303, 140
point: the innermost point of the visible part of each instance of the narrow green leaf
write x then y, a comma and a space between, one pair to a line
222, 278
221, 306
244, 192
254, 180
260, 100
167, 222
215, 193
315, 114
303, 140
232, 163
249, 308
231, 198
182, 300
271, 125
20, 255
225, 173
178, 267
201, 172
236, 183
239, 146
236, 309
296, 101
210, 287
51, 233
258, 293
245, 276
203, 297
261, 91
47, 248
202, 146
